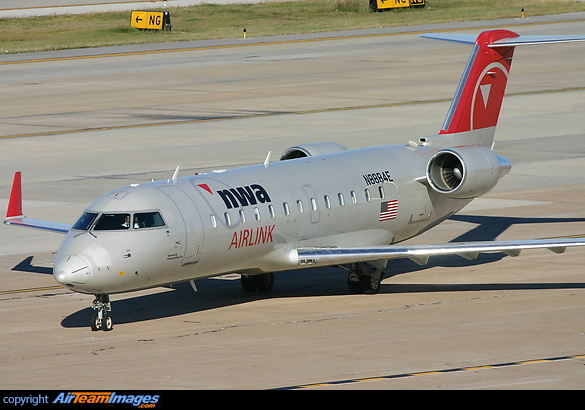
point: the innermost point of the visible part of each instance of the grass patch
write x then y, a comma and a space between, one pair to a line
211, 21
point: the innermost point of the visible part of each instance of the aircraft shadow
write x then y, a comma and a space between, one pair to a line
27, 266
318, 282
490, 227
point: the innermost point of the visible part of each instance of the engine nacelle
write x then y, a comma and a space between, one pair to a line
465, 172
309, 150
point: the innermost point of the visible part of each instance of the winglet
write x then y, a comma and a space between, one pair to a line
15, 202
15, 217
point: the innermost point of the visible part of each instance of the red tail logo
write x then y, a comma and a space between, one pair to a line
479, 96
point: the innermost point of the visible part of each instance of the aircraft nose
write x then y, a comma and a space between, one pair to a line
71, 270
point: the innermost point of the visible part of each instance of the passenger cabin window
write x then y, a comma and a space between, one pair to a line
367, 194
313, 204
111, 222
300, 206
327, 201
381, 192
286, 209
256, 213
353, 197
341, 200
228, 220
85, 221
271, 210
213, 221
148, 220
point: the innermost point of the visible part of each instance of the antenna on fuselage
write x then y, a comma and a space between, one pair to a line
267, 160
174, 178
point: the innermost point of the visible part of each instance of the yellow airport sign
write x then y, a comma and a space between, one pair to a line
150, 20
393, 4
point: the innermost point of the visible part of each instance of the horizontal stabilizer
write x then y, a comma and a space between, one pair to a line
520, 40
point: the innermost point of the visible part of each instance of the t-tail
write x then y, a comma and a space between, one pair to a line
475, 108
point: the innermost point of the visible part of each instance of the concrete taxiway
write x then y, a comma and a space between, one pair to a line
79, 125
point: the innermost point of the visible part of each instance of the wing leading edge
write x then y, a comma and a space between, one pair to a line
14, 215
421, 253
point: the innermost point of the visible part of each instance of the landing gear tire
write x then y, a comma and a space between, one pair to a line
101, 319
248, 283
364, 280
265, 282
370, 284
354, 284
107, 323
262, 283
96, 322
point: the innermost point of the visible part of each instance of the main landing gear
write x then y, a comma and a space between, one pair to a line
262, 283
362, 279
102, 320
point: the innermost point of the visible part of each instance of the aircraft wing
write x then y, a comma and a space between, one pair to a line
14, 214
323, 256
43, 225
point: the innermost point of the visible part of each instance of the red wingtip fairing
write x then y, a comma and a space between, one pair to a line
15, 202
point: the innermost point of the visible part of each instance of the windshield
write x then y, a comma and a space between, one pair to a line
121, 221
85, 221
148, 220
109, 222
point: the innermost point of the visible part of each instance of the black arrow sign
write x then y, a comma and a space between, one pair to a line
138, 19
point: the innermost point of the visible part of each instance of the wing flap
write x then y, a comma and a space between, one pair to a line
421, 253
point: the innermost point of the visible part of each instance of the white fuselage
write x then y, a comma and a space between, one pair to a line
248, 220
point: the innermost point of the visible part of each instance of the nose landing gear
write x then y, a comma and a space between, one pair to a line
102, 320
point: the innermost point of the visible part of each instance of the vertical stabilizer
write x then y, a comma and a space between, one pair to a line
474, 111
478, 99
475, 108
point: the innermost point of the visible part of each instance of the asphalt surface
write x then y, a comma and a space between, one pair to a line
80, 123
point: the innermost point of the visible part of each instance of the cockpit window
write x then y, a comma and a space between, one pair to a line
85, 221
148, 220
109, 222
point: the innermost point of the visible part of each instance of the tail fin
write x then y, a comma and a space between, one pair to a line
474, 111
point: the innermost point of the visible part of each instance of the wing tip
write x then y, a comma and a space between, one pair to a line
15, 202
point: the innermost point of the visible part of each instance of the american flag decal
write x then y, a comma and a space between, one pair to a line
388, 210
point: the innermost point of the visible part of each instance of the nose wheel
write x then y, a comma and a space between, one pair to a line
102, 319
